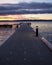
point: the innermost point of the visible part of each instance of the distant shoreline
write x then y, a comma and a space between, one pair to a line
26, 20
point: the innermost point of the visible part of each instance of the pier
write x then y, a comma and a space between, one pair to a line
24, 48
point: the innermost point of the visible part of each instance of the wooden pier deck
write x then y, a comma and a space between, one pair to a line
24, 48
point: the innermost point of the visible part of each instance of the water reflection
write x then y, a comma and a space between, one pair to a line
5, 33
45, 29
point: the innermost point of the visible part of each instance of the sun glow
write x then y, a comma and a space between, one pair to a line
26, 17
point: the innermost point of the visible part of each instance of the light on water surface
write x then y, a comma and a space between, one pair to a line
45, 29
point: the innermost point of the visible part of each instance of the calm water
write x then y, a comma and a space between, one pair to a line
5, 33
45, 29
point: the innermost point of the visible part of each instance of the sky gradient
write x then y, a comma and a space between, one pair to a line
26, 17
18, 1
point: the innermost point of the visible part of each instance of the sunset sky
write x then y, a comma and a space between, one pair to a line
27, 17
18, 1
19, 17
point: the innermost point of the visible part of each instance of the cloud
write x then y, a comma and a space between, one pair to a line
17, 1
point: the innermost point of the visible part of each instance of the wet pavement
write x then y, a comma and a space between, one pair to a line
24, 48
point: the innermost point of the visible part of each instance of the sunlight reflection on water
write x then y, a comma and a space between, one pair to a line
5, 34
45, 29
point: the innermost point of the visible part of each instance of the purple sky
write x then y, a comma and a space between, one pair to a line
18, 1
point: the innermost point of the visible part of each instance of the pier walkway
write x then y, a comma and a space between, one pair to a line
24, 48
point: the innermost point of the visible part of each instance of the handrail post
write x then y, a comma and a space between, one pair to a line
36, 31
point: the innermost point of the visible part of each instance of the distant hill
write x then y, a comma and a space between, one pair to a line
25, 8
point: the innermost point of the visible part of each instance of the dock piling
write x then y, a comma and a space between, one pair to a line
36, 31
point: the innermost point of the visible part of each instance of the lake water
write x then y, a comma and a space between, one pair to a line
5, 33
45, 29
